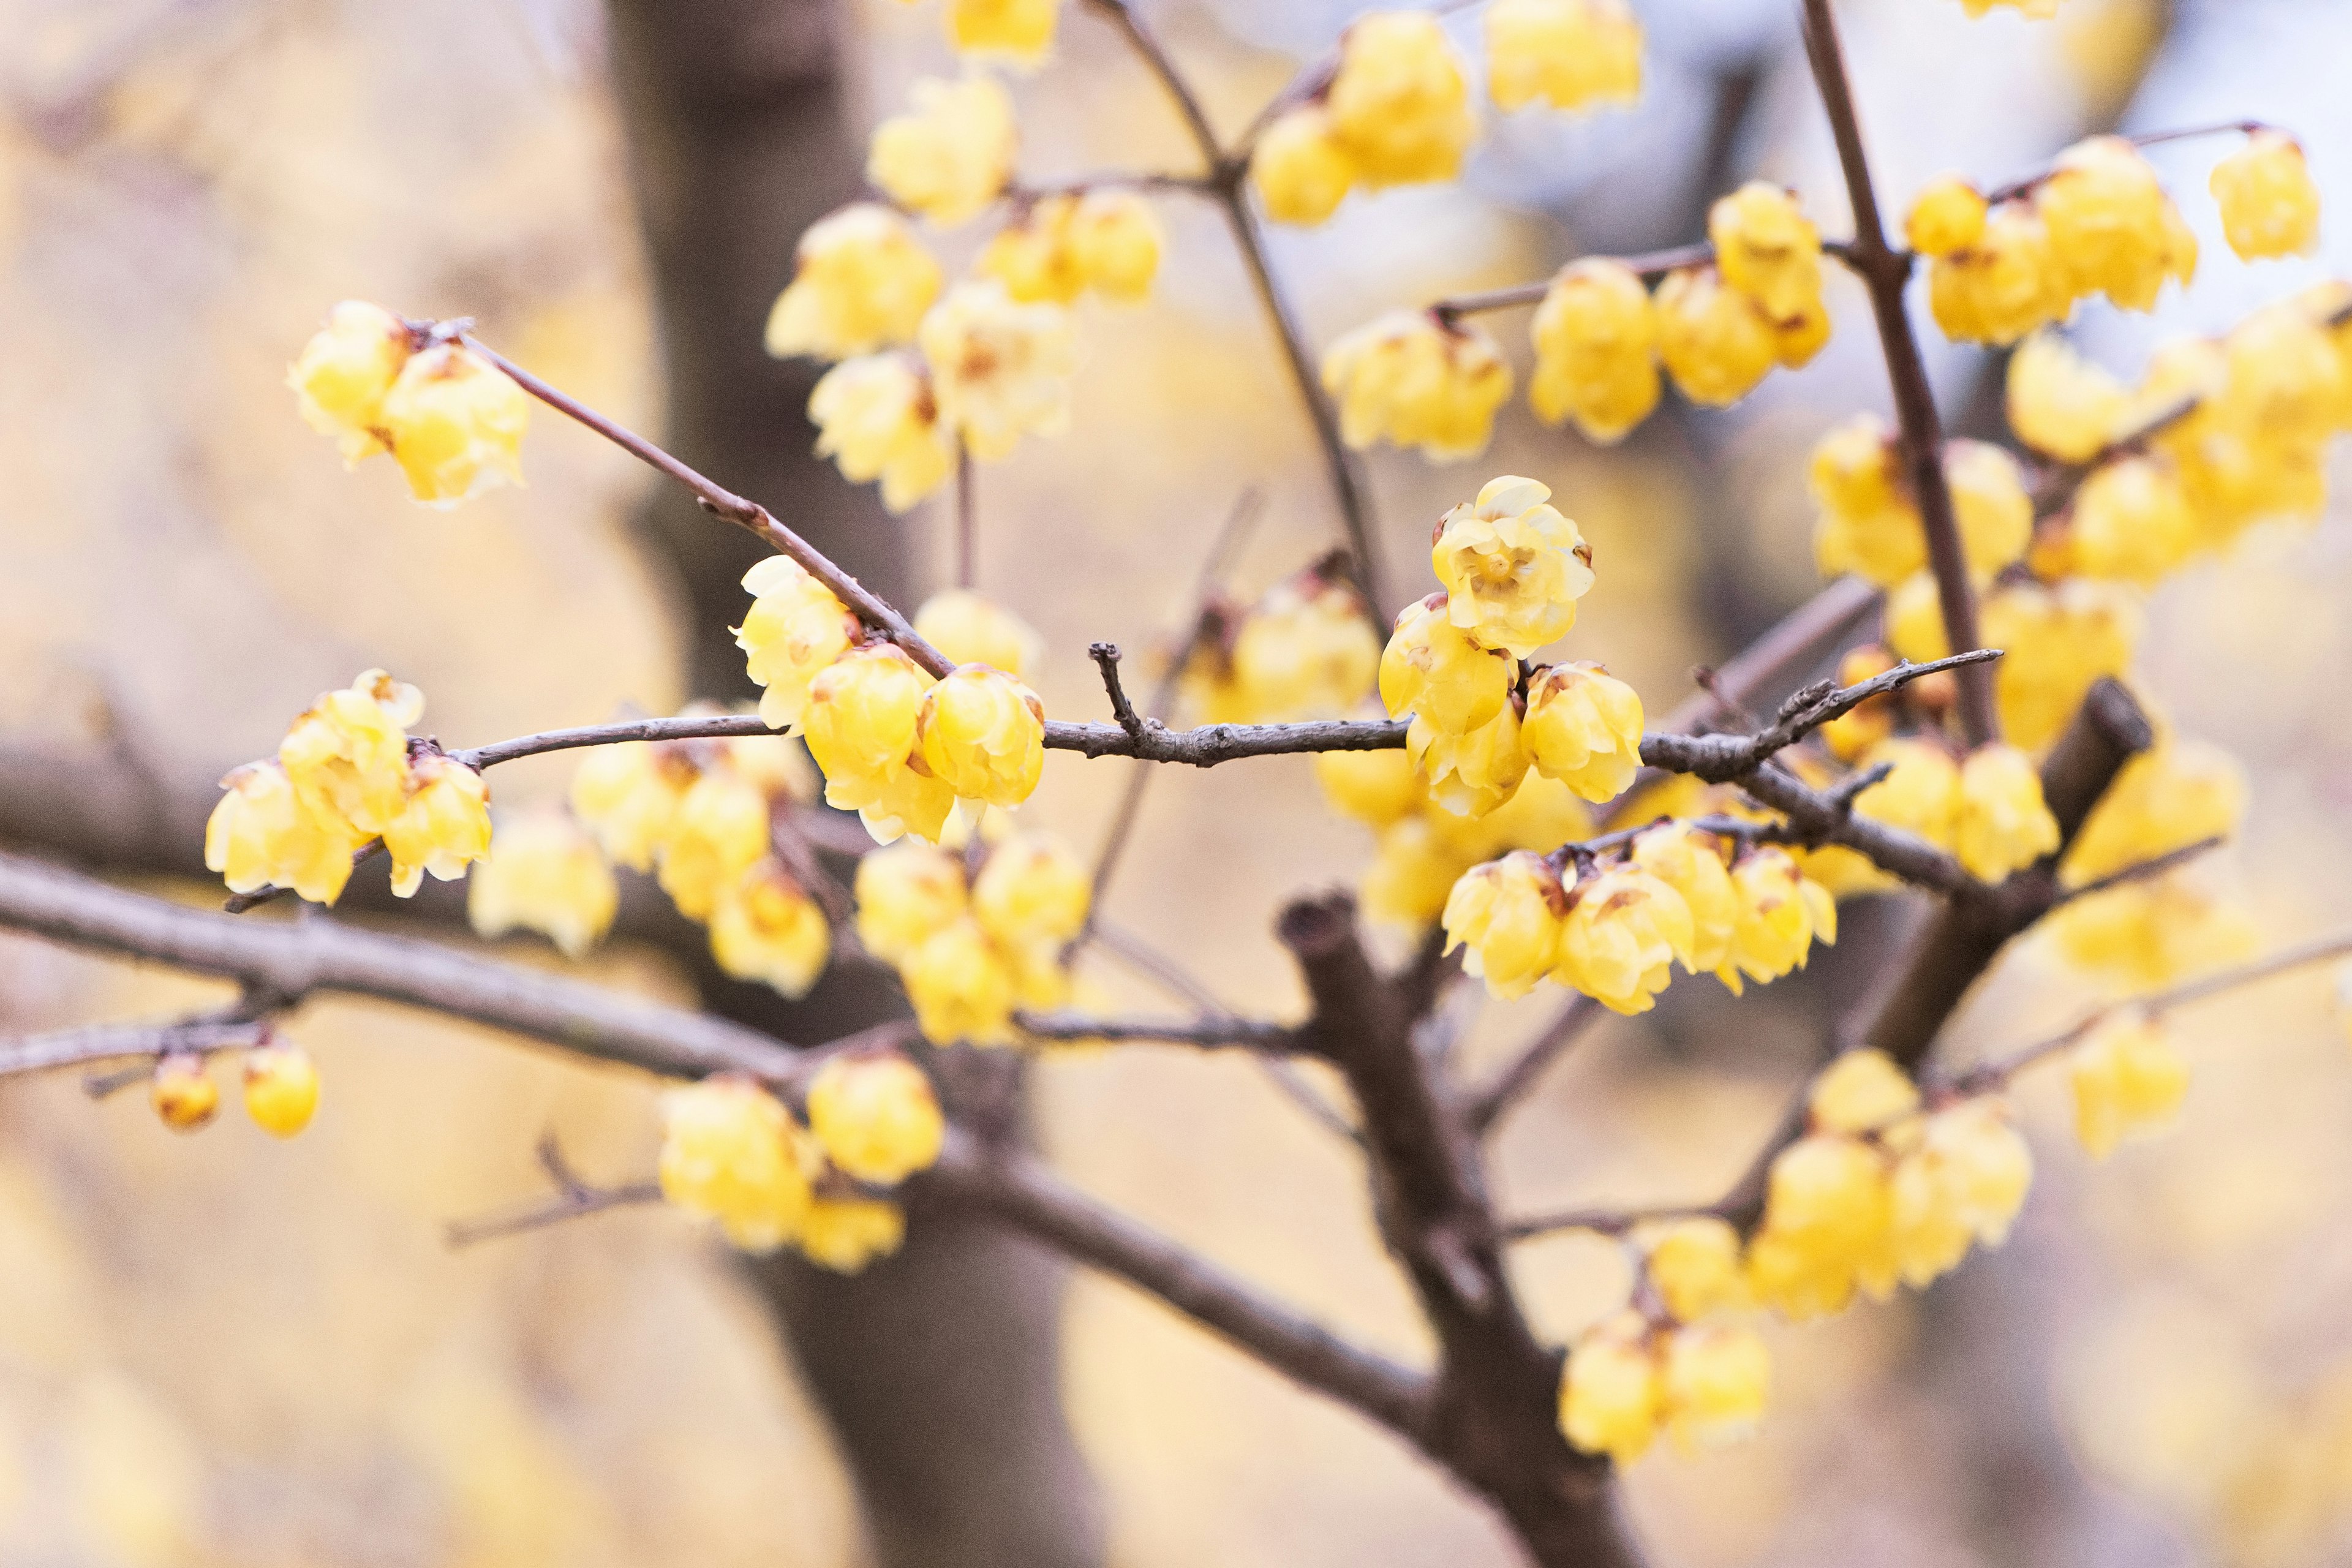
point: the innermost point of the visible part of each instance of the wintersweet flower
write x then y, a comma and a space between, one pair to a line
2002, 824
1768, 249
1513, 567
1031, 890
261, 835
1595, 336
876, 419
1611, 1393
982, 734
281, 1087
862, 282
731, 1153
543, 874
1782, 912
1000, 369
2129, 1080
906, 894
627, 795
1407, 379
454, 423
444, 828
765, 928
1583, 728
1508, 912
972, 628
1437, 672
1572, 54
1716, 1379
1300, 168
962, 987
2269, 205
794, 628
719, 832
1947, 216
876, 1117
1715, 341
1624, 931
949, 156
348, 756
181, 1093
343, 373
1399, 101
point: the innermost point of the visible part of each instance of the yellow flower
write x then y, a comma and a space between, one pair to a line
1474, 773
2152, 934
731, 1153
1947, 216
947, 156
1994, 514
982, 735
2002, 824
1717, 344
1782, 912
1433, 669
2162, 800
1828, 1210
765, 928
2269, 205
281, 1087
1962, 1183
1716, 1380
794, 628
972, 628
1595, 338
999, 369
906, 894
181, 1092
1407, 379
2058, 641
1031, 890
1413, 874
1691, 863
1508, 911
777, 767
1583, 728
2002, 286
961, 986
1861, 1091
876, 419
1921, 796
718, 831
2060, 403
2110, 224
454, 423
1020, 32
1572, 54
1868, 525
1512, 565
343, 373
1300, 169
876, 1117
1305, 650
1033, 257
2036, 10
1798, 339
1376, 788
444, 827
2129, 1080
862, 282
543, 874
860, 721
1115, 241
261, 835
348, 756
1625, 929
844, 1234
1694, 1266
1612, 1394
1768, 249
627, 795
1398, 101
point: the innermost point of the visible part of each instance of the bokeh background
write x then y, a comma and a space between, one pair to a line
221, 1350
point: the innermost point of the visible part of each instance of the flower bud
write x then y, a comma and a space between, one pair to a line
1399, 101
2110, 224
1947, 216
444, 827
1768, 249
1583, 728
1994, 514
1868, 525
1407, 379
281, 1087
454, 423
1715, 341
1114, 241
1305, 650
907, 893
1471, 774
947, 157
1612, 1394
2269, 205
1031, 890
182, 1092
1694, 1266
859, 721
844, 1234
731, 1153
2003, 285
1300, 169
1595, 336
2061, 404
876, 1117
972, 628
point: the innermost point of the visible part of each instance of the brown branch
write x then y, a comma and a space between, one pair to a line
1887, 272
1211, 1031
967, 516
2016, 188
574, 1198
1727, 759
1651, 265
2139, 870
106, 1042
1491, 1103
1599, 1222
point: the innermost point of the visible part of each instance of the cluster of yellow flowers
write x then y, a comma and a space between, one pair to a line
972, 945
1870, 522
1984, 808
1680, 1362
734, 1153
1424, 849
346, 774
1304, 651
896, 746
452, 420
1397, 109
281, 1088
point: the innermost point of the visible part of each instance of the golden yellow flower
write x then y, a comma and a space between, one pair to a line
876, 1117
844, 1234
1115, 238
1961, 1183
1032, 255
444, 827
348, 756
1583, 728
343, 373
1399, 103
1694, 1265
2002, 825
1435, 671
765, 928
1572, 54
1473, 773
2129, 1080
1868, 525
731, 1153
2058, 641
454, 423
876, 419
543, 874
862, 282
860, 721
962, 986
1407, 379
999, 369
281, 1087
1828, 1215
1994, 512
2162, 800
1782, 912
1624, 931
1921, 796
1716, 1380
1612, 1394
1510, 913
1019, 32
2003, 285
794, 628
906, 894
949, 156
1596, 336
1304, 651
2111, 225
1715, 341
1691, 863
2269, 205
261, 835
1512, 565
1861, 1091
1031, 890
972, 628
1946, 216
2151, 933
1376, 788
982, 734
627, 795
1301, 170
181, 1092
2061, 404
1413, 874
718, 831
1768, 248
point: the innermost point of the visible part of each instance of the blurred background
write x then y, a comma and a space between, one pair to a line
222, 1349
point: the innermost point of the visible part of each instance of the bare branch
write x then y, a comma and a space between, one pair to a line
2139, 870
106, 1042
1490, 1105
1210, 1031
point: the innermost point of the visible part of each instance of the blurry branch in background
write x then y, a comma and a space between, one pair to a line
574, 1198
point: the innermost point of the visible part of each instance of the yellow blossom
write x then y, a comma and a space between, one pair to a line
1399, 103
719, 832
543, 874
2110, 223
1508, 912
1595, 336
1715, 341
1625, 929
947, 156
1691, 863
1434, 669
281, 1087
1376, 788
972, 628
1782, 912
876, 419
1572, 54
1409, 380
181, 1092
1114, 241
1301, 170
1768, 249
982, 735
1946, 216
2269, 205
444, 827
876, 1117
862, 282
454, 423
1475, 771
1861, 1091
999, 369
1961, 1182
1541, 815
2163, 799
1512, 565
731, 1153
1413, 874
1033, 891
1798, 339
844, 1234
1716, 1379
343, 373
262, 835
1020, 32
906, 894
627, 795
348, 756
2129, 1080
1828, 1210
1694, 1266
1994, 514
2004, 285
1612, 1394
1868, 525
961, 986
2002, 824
794, 627
1304, 651
2061, 404
2152, 934
1033, 256
765, 928
1921, 796
860, 721
1583, 728
2058, 642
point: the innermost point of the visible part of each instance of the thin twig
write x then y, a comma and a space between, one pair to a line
2016, 188
1599, 1222
2139, 871
106, 1042
1210, 1030
1652, 266
1490, 1104
967, 505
